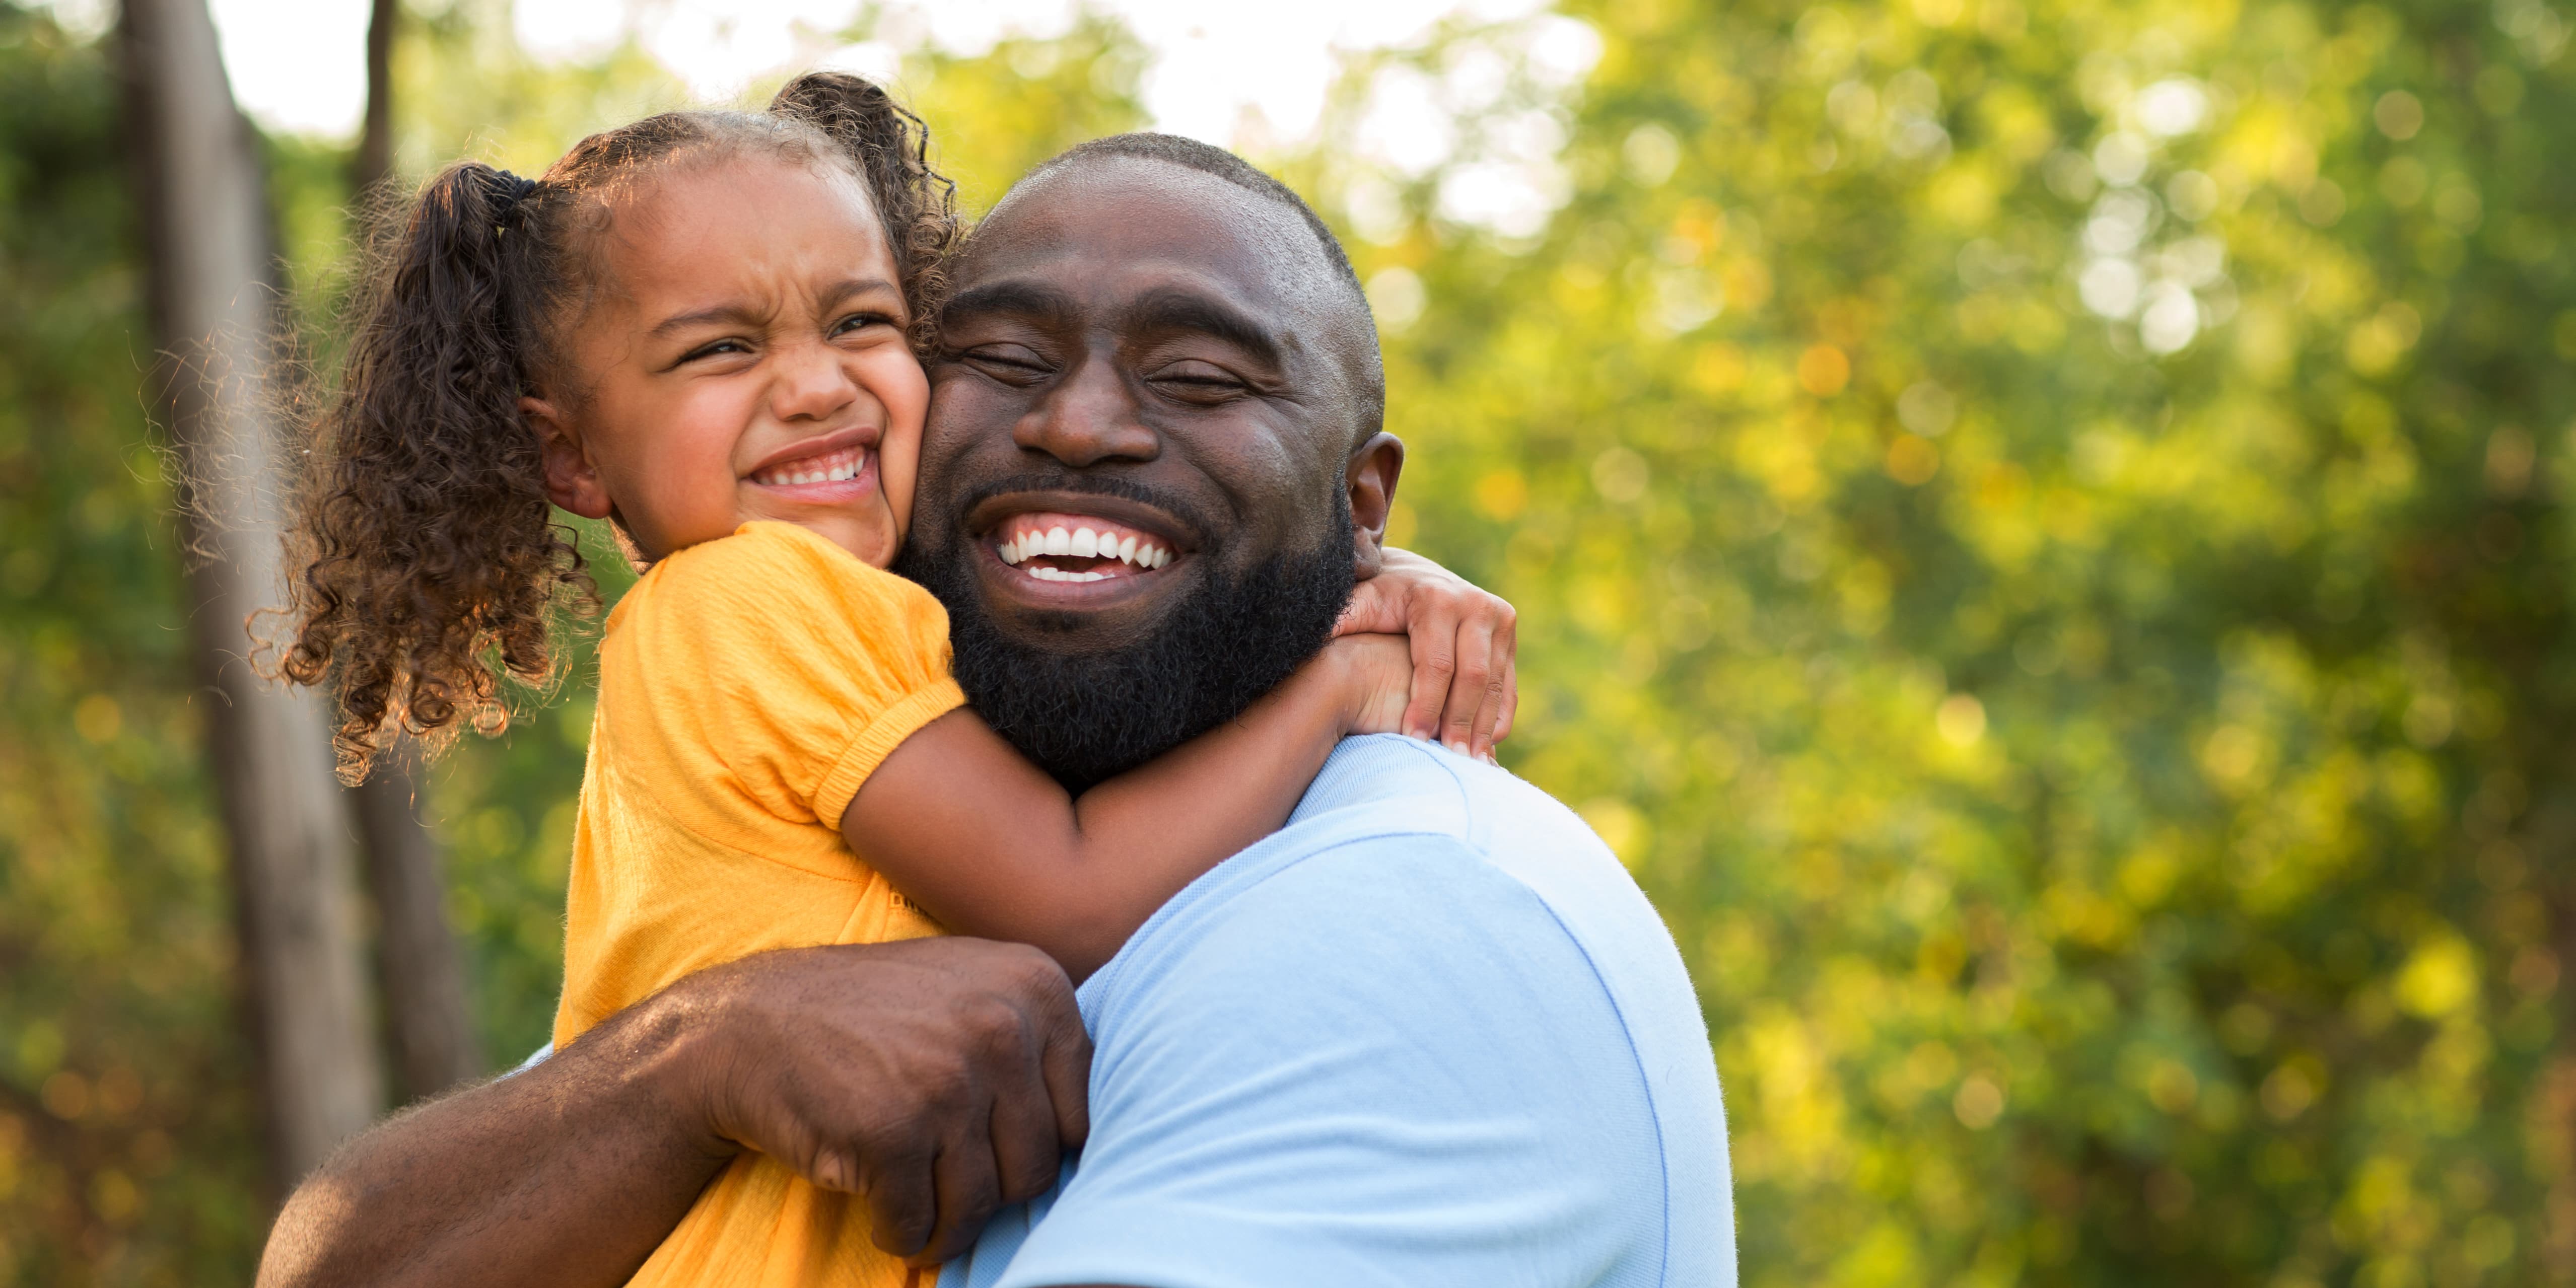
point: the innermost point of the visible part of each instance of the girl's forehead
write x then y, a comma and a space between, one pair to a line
706, 186
745, 212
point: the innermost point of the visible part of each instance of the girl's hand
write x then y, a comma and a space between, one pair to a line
1465, 680
1374, 675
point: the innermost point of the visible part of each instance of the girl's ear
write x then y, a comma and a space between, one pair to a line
572, 482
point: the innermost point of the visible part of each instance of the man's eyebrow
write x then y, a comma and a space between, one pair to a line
1170, 310
1024, 298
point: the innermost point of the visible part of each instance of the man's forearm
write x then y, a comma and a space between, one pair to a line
940, 1078
567, 1174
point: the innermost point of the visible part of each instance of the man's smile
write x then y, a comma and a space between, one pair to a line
1074, 547
1076, 550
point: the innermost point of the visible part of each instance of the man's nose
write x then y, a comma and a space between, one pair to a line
1089, 417
813, 384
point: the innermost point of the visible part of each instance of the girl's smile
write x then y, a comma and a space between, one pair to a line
834, 470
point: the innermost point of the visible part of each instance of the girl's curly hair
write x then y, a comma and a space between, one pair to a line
432, 565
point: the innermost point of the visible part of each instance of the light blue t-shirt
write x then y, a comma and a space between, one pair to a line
1428, 1034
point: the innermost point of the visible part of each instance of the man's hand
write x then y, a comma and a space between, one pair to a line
938, 1077
1465, 680
946, 1086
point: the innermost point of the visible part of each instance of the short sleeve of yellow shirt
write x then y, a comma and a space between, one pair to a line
747, 687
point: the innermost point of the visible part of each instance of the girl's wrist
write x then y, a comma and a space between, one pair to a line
1337, 681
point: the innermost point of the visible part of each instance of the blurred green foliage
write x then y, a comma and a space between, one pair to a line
126, 1148
2043, 538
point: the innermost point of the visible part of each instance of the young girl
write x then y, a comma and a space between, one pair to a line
702, 326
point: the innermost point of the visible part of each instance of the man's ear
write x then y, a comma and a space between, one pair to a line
571, 480
1371, 480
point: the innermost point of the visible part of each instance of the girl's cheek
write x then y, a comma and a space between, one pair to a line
898, 381
900, 384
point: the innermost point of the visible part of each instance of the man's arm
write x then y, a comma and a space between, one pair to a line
940, 1078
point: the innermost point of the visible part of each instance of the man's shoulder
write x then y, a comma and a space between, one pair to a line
1402, 1040
1461, 820
1386, 849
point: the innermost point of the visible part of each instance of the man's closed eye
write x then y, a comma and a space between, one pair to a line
1194, 381
1010, 363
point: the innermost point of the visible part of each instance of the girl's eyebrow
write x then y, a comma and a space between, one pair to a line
734, 314
741, 314
849, 286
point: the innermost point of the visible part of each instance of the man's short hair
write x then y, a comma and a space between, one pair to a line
1206, 158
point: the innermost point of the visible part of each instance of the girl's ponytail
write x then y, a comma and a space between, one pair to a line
431, 560
891, 149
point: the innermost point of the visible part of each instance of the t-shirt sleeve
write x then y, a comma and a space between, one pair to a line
790, 666
1389, 1065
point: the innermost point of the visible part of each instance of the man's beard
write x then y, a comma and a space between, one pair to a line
1086, 717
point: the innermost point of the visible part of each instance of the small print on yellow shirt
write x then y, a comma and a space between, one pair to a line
747, 686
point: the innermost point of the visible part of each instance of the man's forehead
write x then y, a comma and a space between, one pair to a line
1153, 221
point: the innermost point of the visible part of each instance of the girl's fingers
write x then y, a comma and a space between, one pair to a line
1375, 609
1434, 637
1472, 686
1507, 650
1490, 716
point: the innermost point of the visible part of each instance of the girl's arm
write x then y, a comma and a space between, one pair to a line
1464, 681
984, 841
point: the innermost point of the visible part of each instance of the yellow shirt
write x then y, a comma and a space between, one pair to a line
747, 686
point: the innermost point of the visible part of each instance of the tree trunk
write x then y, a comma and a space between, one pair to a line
423, 977
374, 162
206, 227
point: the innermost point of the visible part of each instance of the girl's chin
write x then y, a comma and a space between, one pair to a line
867, 532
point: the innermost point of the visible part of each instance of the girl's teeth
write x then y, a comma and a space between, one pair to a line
838, 468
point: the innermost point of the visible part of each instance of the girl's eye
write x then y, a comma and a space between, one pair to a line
719, 347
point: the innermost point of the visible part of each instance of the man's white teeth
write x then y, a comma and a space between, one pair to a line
1081, 543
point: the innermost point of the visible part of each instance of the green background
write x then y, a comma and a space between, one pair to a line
2113, 780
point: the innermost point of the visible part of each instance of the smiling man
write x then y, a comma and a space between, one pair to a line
1428, 1033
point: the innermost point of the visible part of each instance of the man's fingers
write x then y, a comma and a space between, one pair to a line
1026, 1152
903, 1201
1047, 1004
969, 1191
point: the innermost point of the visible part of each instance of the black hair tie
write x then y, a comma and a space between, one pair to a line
513, 191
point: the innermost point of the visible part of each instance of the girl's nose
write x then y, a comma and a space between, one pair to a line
813, 384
